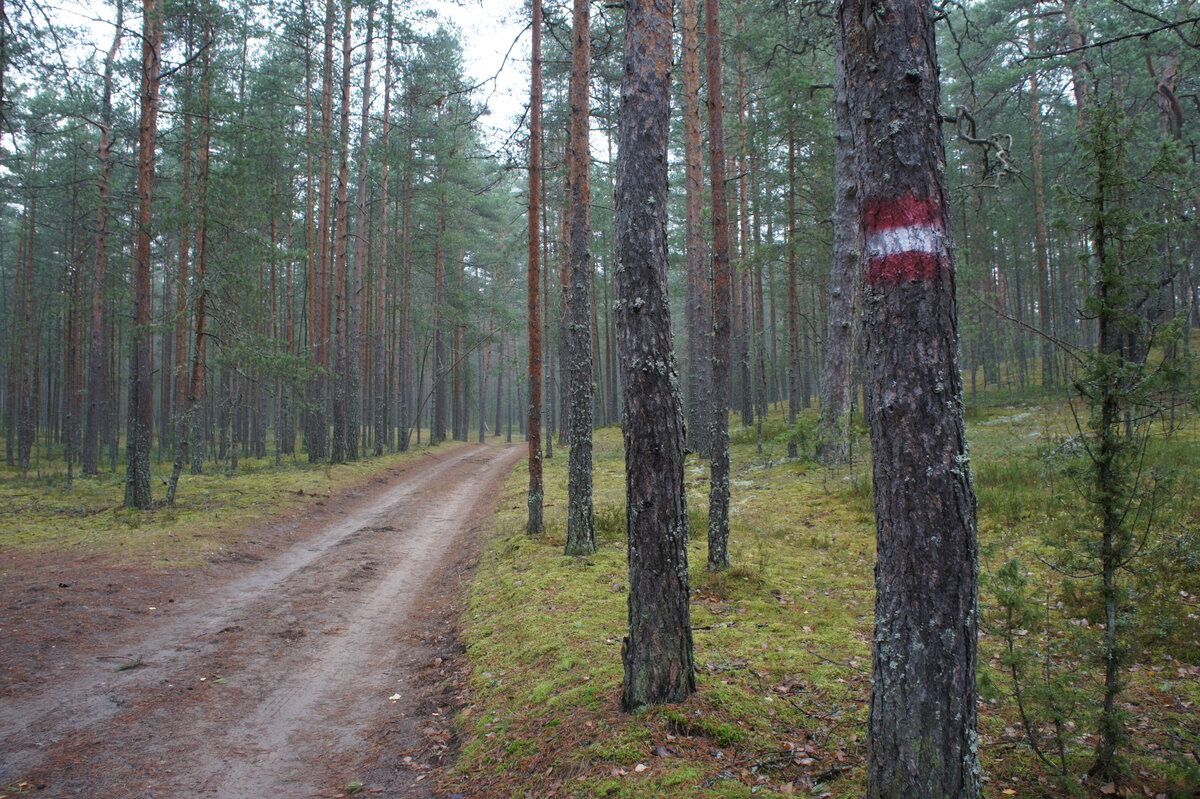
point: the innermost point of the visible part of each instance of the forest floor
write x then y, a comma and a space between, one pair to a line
783, 639
317, 656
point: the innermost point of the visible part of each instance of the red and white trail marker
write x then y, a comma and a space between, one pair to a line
905, 240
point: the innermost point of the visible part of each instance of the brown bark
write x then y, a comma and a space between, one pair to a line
657, 653
718, 496
318, 444
140, 423
338, 448
404, 368
760, 342
921, 734
382, 428
437, 428
354, 378
181, 283
581, 526
699, 294
536, 525
192, 390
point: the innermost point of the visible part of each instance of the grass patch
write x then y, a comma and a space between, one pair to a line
782, 640
211, 511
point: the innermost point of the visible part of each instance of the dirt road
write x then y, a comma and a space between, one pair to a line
320, 655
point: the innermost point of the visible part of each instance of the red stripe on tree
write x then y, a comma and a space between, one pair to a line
902, 266
886, 213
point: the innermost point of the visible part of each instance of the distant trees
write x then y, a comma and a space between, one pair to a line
244, 300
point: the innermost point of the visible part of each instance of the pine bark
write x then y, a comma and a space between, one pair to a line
581, 524
718, 495
318, 443
338, 451
536, 524
437, 428
191, 388
140, 420
354, 382
921, 734
657, 653
699, 277
833, 439
382, 428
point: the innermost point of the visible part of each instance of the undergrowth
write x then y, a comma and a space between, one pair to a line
783, 638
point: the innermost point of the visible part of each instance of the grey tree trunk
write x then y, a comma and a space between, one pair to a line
718, 495
833, 444
657, 653
921, 735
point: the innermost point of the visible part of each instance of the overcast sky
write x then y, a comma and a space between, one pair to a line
489, 28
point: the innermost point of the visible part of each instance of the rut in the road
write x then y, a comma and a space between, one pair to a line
267, 684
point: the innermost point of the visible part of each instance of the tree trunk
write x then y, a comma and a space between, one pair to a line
341, 305
382, 429
318, 444
437, 427
657, 653
23, 309
354, 378
141, 384
833, 440
1041, 235
745, 325
192, 389
718, 496
793, 298
699, 295
536, 525
921, 734
581, 524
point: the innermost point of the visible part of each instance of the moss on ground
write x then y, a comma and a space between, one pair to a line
211, 510
783, 639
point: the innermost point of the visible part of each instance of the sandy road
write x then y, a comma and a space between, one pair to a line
316, 665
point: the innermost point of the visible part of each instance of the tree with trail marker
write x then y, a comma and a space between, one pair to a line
921, 734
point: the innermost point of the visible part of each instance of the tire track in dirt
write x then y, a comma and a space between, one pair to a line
266, 684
